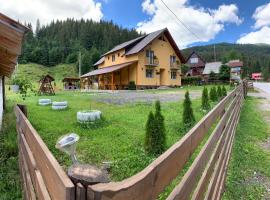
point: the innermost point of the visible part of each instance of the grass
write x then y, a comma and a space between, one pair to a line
10, 186
248, 157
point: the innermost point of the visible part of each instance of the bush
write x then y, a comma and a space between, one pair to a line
205, 99
224, 91
191, 80
219, 92
132, 85
188, 116
155, 139
213, 94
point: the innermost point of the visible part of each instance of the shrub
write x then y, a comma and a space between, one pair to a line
132, 85
191, 80
155, 138
205, 99
188, 116
224, 91
213, 94
219, 92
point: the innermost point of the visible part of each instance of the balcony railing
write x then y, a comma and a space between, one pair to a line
175, 65
154, 62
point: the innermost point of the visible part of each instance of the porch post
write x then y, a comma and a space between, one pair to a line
112, 85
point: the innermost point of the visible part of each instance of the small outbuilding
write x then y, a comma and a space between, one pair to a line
71, 83
212, 67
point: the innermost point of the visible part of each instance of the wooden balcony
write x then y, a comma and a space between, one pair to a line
152, 62
175, 65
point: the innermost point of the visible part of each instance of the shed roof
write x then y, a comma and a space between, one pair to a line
11, 37
235, 63
212, 67
71, 79
106, 70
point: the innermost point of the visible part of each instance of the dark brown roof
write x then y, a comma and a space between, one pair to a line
71, 79
235, 63
138, 44
106, 70
47, 77
11, 37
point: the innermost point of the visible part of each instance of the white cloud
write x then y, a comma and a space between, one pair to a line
262, 16
205, 23
48, 10
262, 24
260, 36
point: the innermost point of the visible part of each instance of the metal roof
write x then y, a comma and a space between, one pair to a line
212, 67
106, 70
101, 60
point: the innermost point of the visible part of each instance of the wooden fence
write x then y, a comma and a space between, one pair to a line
43, 176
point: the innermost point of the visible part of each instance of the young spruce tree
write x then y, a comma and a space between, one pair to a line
224, 91
188, 116
205, 99
155, 139
219, 92
213, 94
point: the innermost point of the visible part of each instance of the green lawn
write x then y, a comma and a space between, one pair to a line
249, 162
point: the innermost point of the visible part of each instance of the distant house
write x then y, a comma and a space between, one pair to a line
196, 64
235, 69
256, 76
148, 61
11, 37
211, 67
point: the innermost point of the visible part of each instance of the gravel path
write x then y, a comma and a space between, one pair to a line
124, 97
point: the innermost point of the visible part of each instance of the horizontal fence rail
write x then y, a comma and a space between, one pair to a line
44, 178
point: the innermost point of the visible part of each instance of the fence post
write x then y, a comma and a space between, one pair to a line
23, 109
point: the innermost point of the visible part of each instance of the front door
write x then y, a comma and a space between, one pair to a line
162, 77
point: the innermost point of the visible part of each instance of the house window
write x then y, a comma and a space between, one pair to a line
173, 75
150, 56
108, 57
194, 60
149, 73
113, 57
118, 54
172, 59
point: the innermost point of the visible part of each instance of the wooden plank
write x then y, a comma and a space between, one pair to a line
41, 190
186, 186
210, 190
56, 180
151, 181
80, 192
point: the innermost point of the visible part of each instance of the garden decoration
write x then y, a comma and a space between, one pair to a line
88, 116
84, 173
67, 144
59, 105
46, 85
44, 102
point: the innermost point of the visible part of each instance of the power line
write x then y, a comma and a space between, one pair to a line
186, 26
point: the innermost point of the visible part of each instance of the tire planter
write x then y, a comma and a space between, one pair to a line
88, 116
59, 105
15, 88
44, 102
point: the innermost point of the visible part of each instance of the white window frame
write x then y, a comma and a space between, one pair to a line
194, 60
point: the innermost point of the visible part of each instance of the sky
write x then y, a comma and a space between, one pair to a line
191, 22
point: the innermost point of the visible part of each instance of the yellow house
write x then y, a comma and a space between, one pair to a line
149, 61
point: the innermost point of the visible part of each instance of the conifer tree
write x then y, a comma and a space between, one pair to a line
188, 116
224, 91
213, 94
155, 139
219, 92
205, 99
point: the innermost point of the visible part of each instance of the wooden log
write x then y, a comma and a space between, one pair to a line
56, 180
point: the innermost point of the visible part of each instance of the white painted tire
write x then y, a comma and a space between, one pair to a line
59, 107
63, 103
88, 116
44, 102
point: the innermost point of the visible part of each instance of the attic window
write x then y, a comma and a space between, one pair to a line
194, 60
113, 58
118, 54
108, 57
162, 38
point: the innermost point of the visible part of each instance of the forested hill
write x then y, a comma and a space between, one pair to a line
61, 41
256, 57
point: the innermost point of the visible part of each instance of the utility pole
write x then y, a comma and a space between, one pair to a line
215, 57
80, 63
